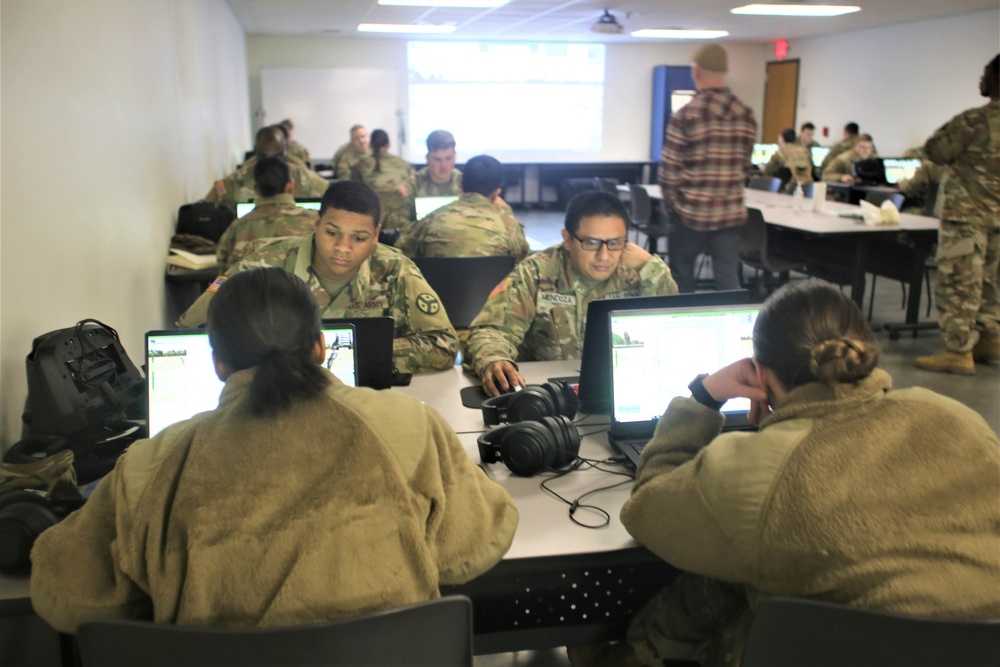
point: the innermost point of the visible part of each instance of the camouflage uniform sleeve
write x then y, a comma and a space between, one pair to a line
224, 248
501, 326
315, 184
197, 314
655, 278
840, 166
950, 140
425, 340
519, 244
411, 240
223, 192
774, 164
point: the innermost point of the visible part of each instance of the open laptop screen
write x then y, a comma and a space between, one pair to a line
427, 205
762, 153
244, 207
899, 169
818, 154
181, 379
656, 353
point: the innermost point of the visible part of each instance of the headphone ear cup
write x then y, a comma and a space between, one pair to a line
531, 404
527, 448
23, 517
566, 440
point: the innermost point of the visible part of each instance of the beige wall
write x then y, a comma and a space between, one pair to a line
627, 91
114, 114
899, 83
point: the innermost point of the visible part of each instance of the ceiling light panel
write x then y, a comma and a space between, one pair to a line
796, 10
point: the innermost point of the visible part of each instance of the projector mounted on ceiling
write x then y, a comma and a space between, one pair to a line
608, 25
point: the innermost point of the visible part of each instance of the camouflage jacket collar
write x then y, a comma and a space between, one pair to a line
303, 268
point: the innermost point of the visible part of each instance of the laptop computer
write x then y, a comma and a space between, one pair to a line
427, 205
181, 379
762, 154
818, 154
899, 169
595, 366
374, 336
656, 353
244, 207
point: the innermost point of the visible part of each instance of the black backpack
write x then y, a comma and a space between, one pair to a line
204, 219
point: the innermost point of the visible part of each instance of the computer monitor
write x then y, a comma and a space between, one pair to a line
819, 154
244, 207
427, 205
181, 379
762, 153
898, 169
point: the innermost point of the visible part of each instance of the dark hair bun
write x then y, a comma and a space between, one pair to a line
843, 360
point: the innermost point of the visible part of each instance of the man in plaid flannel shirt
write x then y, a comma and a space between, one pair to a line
705, 162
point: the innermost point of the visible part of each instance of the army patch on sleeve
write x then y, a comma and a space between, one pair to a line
220, 188
501, 286
216, 284
428, 304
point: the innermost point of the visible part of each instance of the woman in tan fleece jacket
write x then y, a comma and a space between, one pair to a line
295, 501
849, 492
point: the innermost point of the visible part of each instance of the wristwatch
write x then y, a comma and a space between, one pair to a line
700, 394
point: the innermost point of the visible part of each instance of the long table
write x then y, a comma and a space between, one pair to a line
843, 249
560, 583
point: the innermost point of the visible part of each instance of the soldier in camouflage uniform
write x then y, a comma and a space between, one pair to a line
805, 138
539, 311
351, 275
793, 157
968, 255
347, 155
439, 178
295, 149
384, 173
845, 144
840, 168
238, 186
478, 224
275, 214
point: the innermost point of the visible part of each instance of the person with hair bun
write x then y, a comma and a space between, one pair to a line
295, 501
850, 492
385, 173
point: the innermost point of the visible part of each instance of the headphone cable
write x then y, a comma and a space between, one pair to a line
576, 504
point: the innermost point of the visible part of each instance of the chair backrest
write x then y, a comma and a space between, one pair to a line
642, 207
790, 631
755, 241
876, 197
765, 183
606, 185
464, 283
438, 632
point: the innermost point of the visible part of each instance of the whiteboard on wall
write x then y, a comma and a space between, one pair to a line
325, 103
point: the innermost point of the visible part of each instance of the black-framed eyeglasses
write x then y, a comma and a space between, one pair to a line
593, 245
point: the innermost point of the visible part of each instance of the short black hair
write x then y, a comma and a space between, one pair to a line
271, 175
788, 134
353, 197
593, 203
807, 126
852, 128
482, 174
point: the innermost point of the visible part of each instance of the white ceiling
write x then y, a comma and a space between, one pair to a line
570, 20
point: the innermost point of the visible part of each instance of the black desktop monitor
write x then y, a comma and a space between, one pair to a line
595, 366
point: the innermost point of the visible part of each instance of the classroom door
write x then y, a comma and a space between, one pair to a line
781, 95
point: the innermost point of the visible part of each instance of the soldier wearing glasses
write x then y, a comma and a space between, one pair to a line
538, 312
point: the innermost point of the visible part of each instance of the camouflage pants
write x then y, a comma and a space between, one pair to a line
692, 618
968, 259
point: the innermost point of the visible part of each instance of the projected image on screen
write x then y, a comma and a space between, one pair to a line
508, 100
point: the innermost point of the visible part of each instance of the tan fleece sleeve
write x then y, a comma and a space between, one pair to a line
75, 567
474, 519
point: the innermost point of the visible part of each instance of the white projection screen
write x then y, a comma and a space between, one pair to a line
516, 101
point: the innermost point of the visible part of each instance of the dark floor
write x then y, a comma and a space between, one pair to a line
981, 392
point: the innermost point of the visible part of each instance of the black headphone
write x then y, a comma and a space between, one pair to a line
533, 446
531, 404
23, 517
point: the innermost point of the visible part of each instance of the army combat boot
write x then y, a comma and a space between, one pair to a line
987, 349
959, 363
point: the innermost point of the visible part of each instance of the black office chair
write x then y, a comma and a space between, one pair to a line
770, 271
791, 632
765, 183
464, 283
876, 198
646, 219
606, 185
432, 633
